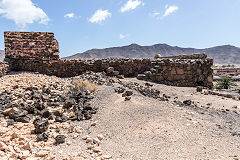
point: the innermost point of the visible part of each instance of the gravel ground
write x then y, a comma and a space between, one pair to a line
146, 128
142, 127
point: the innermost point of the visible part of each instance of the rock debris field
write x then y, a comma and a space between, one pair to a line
46, 117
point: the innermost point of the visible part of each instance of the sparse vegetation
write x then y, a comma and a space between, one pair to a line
225, 83
223, 66
81, 85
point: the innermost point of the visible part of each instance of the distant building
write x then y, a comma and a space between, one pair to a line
227, 71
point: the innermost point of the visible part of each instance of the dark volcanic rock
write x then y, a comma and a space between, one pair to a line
119, 90
25, 119
59, 139
127, 98
187, 102
40, 125
61, 118
42, 137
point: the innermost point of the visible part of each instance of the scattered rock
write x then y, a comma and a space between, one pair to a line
107, 156
235, 107
85, 137
40, 125
96, 149
127, 98
42, 137
89, 140
120, 76
59, 139
100, 137
96, 141
42, 153
187, 102
119, 90
94, 123
110, 70
127, 93
142, 77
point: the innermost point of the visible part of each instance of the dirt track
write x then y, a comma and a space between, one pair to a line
146, 128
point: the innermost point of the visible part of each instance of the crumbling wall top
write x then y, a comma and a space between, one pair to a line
186, 56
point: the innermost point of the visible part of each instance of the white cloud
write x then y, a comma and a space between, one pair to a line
131, 5
122, 36
156, 14
22, 12
69, 15
99, 16
170, 10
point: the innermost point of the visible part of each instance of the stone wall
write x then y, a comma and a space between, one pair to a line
178, 72
181, 72
31, 45
70, 68
39, 52
4, 68
186, 56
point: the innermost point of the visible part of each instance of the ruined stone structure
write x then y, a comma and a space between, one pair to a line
190, 70
4, 68
192, 56
31, 45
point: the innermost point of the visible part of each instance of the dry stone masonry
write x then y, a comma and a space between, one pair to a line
4, 68
43, 57
31, 45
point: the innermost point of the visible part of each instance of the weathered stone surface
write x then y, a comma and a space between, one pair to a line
31, 45
4, 68
193, 56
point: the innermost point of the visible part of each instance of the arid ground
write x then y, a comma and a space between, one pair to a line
179, 123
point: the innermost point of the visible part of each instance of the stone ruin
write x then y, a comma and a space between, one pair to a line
39, 52
31, 45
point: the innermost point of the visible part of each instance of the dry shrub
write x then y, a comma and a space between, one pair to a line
81, 85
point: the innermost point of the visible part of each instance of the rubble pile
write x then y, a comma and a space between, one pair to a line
37, 112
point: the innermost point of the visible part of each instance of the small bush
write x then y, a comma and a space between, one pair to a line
225, 83
81, 85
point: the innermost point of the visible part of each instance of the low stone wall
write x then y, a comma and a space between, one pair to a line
70, 68
181, 72
4, 68
178, 72
186, 56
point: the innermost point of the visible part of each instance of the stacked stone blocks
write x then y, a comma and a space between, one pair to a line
31, 45
4, 68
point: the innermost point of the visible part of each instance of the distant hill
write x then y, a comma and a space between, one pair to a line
225, 54
2, 55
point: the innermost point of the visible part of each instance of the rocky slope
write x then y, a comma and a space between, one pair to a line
2, 55
225, 54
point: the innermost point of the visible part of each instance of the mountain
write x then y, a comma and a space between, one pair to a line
2, 55
225, 54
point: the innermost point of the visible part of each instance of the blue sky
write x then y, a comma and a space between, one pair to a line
80, 25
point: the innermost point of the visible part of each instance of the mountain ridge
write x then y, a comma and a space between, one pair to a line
224, 54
